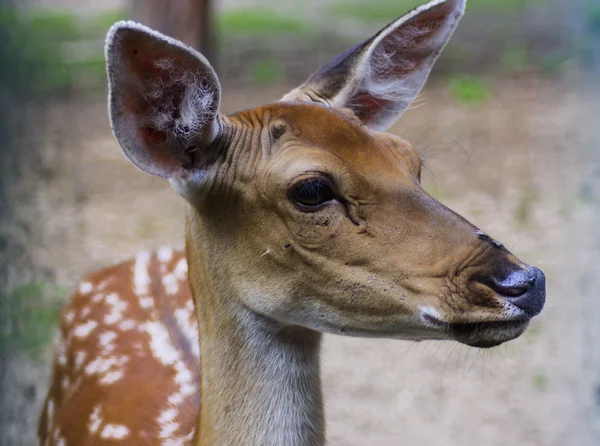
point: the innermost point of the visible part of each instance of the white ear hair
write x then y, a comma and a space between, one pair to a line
163, 95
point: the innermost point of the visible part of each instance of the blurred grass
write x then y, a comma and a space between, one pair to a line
34, 309
68, 49
515, 58
26, 46
267, 71
525, 204
388, 10
540, 381
258, 22
71, 47
469, 90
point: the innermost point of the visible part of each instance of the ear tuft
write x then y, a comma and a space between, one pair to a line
164, 98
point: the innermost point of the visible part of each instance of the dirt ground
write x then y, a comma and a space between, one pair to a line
524, 166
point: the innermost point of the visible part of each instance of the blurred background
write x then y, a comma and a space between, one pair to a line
509, 126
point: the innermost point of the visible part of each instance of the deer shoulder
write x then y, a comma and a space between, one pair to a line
127, 357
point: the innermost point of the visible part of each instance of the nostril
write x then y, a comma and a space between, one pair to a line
514, 285
513, 291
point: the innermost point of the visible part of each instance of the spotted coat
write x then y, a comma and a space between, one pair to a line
127, 358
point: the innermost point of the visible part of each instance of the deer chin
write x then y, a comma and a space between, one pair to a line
488, 334
481, 334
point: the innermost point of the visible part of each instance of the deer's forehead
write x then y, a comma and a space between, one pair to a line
334, 131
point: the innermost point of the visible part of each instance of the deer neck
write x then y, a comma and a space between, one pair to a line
260, 379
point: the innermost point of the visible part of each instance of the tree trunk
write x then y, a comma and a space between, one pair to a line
186, 20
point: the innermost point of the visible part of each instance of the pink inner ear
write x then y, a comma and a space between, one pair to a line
150, 136
413, 42
149, 59
367, 107
158, 155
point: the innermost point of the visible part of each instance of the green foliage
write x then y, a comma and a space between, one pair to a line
515, 58
386, 10
266, 72
30, 59
553, 64
540, 381
34, 309
375, 10
258, 22
469, 90
39, 44
53, 25
100, 23
500, 5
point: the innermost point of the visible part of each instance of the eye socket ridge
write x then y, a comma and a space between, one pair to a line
312, 193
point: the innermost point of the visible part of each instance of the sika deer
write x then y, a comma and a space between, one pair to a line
303, 218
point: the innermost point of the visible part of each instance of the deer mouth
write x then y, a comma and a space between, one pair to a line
481, 334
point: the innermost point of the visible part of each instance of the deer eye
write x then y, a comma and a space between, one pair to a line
311, 194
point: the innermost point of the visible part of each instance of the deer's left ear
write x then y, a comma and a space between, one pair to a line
379, 78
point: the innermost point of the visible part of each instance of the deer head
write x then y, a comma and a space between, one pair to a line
303, 210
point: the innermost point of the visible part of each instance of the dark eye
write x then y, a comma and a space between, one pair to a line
312, 193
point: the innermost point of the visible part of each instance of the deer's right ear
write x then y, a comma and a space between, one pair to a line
379, 78
163, 100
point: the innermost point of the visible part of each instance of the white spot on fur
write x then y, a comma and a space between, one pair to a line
111, 377
97, 298
117, 307
115, 431
176, 399
170, 283
109, 368
61, 350
69, 316
82, 331
181, 269
185, 379
85, 312
95, 420
160, 342
80, 359
167, 424
165, 254
146, 302
106, 341
127, 325
85, 287
141, 278
49, 414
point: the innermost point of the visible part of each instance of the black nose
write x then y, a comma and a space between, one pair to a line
524, 288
